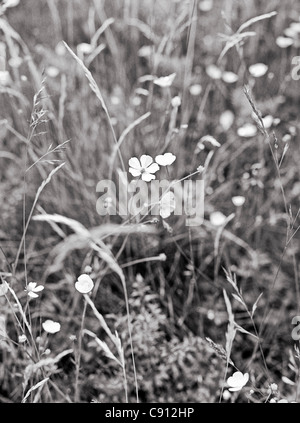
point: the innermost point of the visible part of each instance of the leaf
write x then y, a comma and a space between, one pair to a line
33, 388
231, 330
254, 20
254, 307
238, 299
240, 329
104, 346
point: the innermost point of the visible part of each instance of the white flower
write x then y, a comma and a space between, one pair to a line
167, 205
165, 81
143, 167
176, 101
195, 89
3, 289
22, 339
214, 72
84, 284
226, 395
11, 3
238, 200
258, 69
32, 289
84, 48
230, 77
217, 218
4, 78
237, 381
165, 159
52, 71
284, 42
50, 326
226, 119
248, 130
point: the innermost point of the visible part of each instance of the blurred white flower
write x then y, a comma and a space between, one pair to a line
84, 48
50, 326
10, 3
213, 72
165, 159
22, 339
52, 71
176, 101
32, 288
206, 5
195, 89
226, 395
284, 42
238, 200
165, 81
84, 284
4, 78
248, 130
268, 121
226, 119
143, 167
237, 381
3, 289
258, 69
230, 77
217, 218
167, 205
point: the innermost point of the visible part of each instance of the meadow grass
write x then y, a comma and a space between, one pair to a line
143, 308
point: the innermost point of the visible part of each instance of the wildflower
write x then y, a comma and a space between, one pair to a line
11, 3
4, 78
258, 69
22, 339
284, 42
238, 200
274, 387
165, 81
214, 72
226, 395
217, 218
237, 381
195, 89
52, 71
32, 289
176, 101
51, 327
248, 130
230, 77
165, 159
84, 48
143, 167
167, 205
84, 284
3, 289
226, 119
211, 140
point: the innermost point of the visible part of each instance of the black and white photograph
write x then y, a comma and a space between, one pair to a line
149, 204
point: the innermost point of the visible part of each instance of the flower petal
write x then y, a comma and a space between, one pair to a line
152, 168
134, 162
146, 160
31, 285
147, 177
39, 288
134, 172
31, 294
